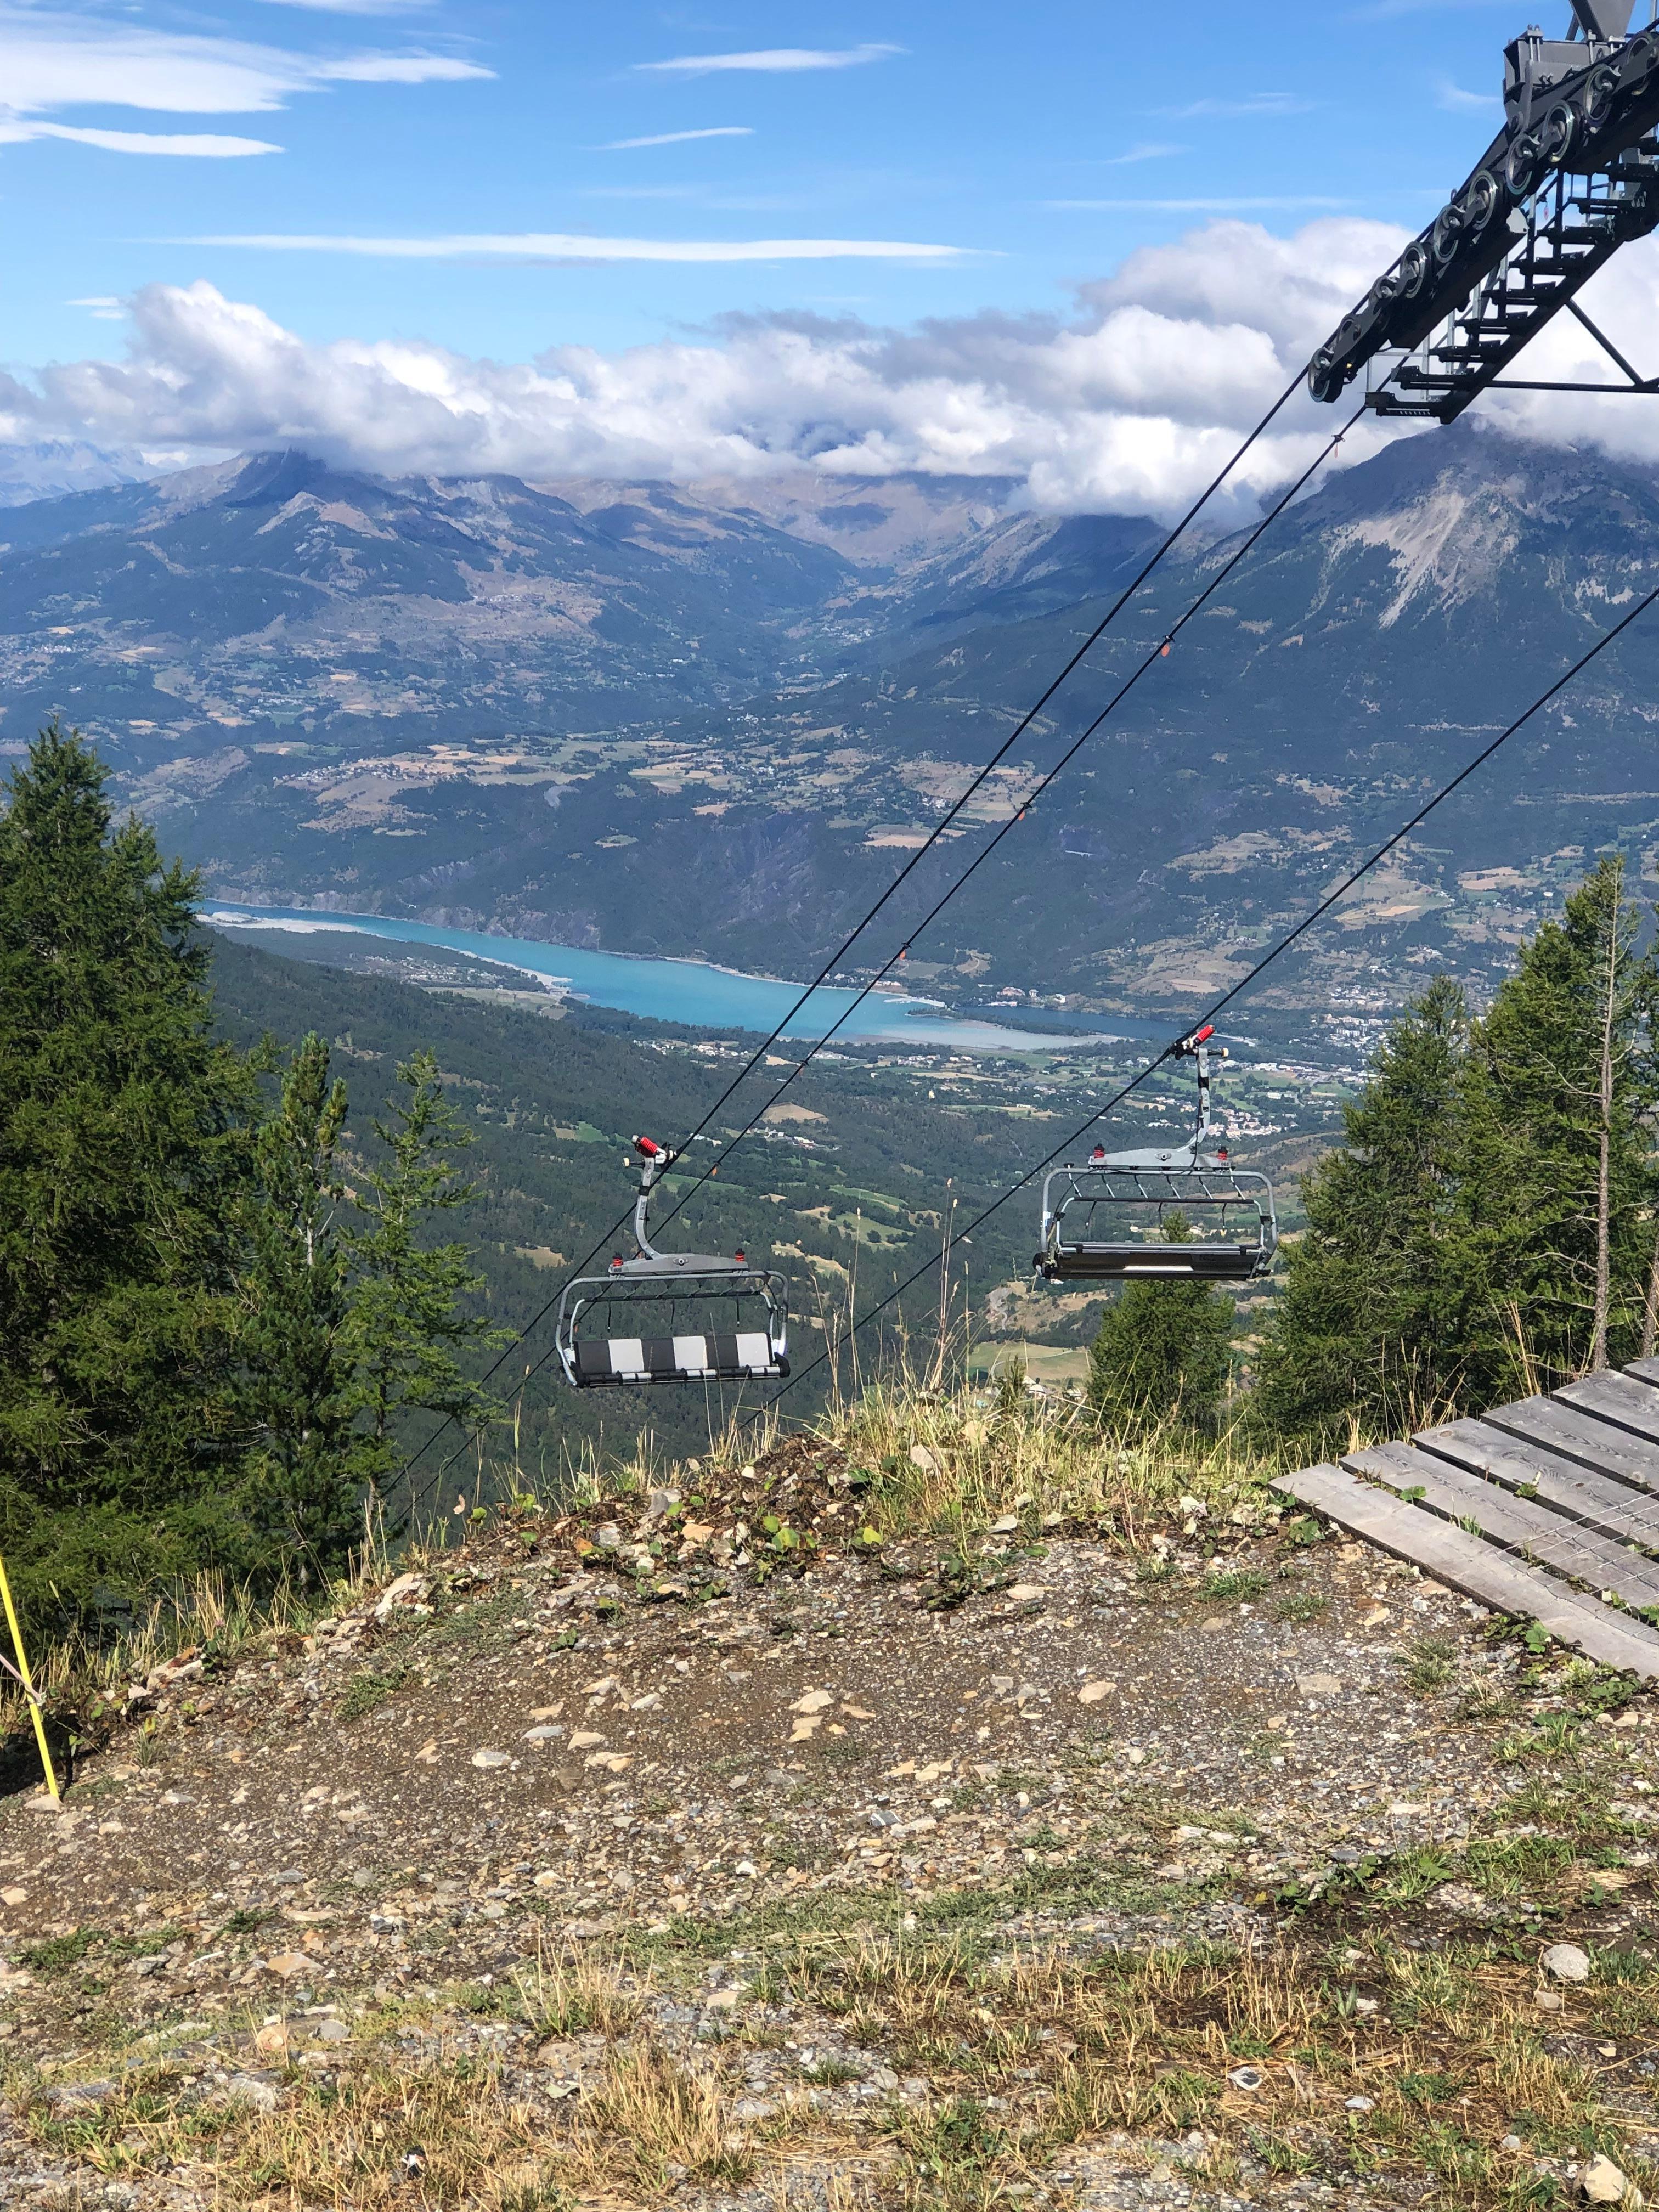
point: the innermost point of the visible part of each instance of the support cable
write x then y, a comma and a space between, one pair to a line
1219, 1006
837, 958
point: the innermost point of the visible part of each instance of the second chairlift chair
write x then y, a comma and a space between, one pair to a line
1104, 1220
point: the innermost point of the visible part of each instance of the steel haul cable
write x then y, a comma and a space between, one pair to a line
837, 959
1227, 997
1157, 653
1025, 805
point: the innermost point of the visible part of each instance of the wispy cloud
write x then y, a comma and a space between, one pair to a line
358, 7
49, 61
105, 307
205, 145
1255, 103
558, 245
677, 137
774, 59
1453, 96
1203, 207
1152, 151
400, 69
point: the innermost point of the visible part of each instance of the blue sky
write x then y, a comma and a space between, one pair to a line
1075, 248
1040, 143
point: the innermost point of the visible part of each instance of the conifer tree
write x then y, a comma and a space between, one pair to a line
124, 1137
1370, 1325
407, 1320
1161, 1352
298, 1371
1557, 1179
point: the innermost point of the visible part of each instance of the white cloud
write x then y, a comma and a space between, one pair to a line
1259, 204
1255, 103
398, 69
575, 246
772, 59
205, 145
1145, 153
358, 7
679, 137
52, 59
1130, 403
1453, 96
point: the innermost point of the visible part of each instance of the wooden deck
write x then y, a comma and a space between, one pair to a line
1547, 1508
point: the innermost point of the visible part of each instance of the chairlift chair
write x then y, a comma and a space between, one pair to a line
595, 1352
1131, 1195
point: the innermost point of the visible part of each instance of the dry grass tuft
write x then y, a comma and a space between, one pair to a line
579, 1992
655, 2122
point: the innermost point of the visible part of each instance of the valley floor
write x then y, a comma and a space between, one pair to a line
695, 1849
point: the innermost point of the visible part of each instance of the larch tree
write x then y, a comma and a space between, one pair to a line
298, 1370
409, 1322
1557, 1177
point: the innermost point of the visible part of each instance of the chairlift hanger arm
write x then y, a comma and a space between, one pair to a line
641, 1287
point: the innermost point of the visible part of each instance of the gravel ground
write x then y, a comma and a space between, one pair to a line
613, 1739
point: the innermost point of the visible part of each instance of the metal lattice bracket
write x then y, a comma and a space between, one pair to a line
1572, 176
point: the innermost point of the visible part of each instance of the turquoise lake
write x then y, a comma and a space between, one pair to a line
688, 991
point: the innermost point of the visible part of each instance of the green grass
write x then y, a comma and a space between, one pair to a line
1234, 1582
59, 1953
1429, 1664
365, 1692
1301, 1607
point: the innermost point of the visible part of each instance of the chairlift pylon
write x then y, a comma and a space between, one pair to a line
594, 1353
1133, 1195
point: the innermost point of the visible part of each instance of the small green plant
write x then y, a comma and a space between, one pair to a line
1233, 1582
831, 2072
57, 1953
365, 1692
1301, 1607
1427, 2089
1429, 1665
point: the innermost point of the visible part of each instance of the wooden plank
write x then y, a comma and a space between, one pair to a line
1623, 1400
1644, 1371
1476, 1569
1518, 1524
1598, 1500
1594, 1445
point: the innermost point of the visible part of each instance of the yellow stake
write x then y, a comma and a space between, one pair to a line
28, 1687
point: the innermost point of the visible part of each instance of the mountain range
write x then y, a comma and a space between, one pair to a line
717, 718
